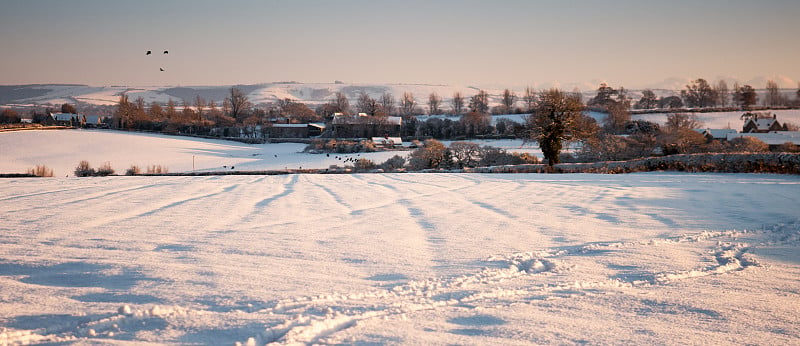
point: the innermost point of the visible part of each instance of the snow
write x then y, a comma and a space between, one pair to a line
63, 150
723, 120
648, 258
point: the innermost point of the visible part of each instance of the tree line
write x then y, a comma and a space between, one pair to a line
555, 118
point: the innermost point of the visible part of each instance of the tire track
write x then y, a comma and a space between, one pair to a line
157, 207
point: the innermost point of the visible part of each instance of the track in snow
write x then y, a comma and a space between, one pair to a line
513, 278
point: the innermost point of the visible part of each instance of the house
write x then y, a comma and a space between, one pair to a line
762, 123
296, 130
83, 120
65, 119
93, 121
387, 142
716, 134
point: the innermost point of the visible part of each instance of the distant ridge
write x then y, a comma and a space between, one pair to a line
314, 93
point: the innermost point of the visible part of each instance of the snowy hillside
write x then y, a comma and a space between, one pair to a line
401, 259
316, 93
309, 93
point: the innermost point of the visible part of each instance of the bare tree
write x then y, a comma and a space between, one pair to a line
648, 100
238, 102
722, 93
678, 135
199, 105
558, 118
529, 98
124, 113
476, 123
367, 104
480, 102
407, 103
458, 103
434, 101
773, 95
698, 94
340, 103
508, 101
172, 110
387, 103
745, 96
618, 116
156, 113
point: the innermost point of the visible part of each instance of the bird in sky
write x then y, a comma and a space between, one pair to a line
161, 69
166, 52
148, 53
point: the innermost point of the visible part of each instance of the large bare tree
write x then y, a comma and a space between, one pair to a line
773, 95
434, 101
698, 94
407, 103
387, 103
238, 102
367, 104
558, 118
480, 102
340, 104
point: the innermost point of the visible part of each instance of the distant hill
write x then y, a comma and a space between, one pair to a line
308, 93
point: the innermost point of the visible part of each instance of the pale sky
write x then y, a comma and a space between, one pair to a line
636, 43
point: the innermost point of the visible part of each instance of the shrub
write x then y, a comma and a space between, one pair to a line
788, 147
431, 155
493, 156
105, 170
393, 163
84, 169
364, 165
747, 144
41, 171
133, 170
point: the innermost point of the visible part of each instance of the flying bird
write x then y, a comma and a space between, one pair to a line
166, 52
161, 69
148, 53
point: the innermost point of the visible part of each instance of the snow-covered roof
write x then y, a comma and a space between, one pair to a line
762, 124
387, 140
290, 125
716, 133
771, 138
64, 116
93, 119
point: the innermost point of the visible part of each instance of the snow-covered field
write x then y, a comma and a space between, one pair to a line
656, 258
724, 120
62, 150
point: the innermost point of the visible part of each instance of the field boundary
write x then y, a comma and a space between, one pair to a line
775, 163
